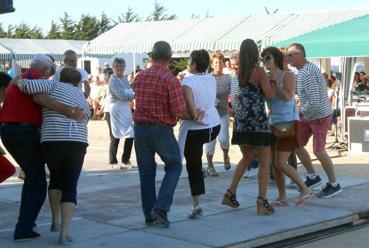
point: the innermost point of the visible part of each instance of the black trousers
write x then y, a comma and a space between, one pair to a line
114, 143
64, 160
193, 152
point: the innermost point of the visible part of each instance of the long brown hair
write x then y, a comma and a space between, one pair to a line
249, 57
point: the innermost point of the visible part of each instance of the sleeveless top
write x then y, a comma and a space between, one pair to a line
251, 122
282, 110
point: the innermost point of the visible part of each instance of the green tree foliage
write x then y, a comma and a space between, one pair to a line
68, 27
177, 65
10, 32
159, 13
36, 33
22, 31
128, 16
87, 28
105, 23
54, 32
2, 31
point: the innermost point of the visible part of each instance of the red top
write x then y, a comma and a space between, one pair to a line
18, 106
158, 95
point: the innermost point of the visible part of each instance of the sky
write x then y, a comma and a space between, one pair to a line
42, 12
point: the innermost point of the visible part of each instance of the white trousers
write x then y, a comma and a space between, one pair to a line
223, 136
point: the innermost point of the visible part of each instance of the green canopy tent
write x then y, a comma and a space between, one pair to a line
347, 39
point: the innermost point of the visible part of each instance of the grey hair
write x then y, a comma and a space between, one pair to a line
161, 51
235, 56
120, 61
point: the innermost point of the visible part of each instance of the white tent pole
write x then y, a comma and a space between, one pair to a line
134, 64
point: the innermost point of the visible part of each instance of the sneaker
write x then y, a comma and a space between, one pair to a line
212, 172
253, 172
312, 183
18, 237
204, 173
160, 218
64, 239
149, 222
196, 212
329, 191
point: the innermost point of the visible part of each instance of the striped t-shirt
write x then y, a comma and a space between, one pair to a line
223, 90
119, 89
56, 126
312, 93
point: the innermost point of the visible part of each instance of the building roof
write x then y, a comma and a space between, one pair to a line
26, 48
216, 33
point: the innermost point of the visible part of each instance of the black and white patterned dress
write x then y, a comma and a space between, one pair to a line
251, 123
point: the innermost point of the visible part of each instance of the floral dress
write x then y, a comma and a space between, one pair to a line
251, 123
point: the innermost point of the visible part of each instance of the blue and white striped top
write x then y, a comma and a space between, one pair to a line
312, 93
56, 126
119, 89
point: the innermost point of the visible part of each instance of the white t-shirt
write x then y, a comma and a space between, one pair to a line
204, 90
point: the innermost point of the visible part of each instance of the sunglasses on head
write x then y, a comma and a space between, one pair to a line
266, 57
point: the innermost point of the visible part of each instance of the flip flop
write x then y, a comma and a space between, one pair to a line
277, 203
304, 199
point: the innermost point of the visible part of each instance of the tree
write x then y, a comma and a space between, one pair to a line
158, 13
129, 16
54, 32
87, 28
2, 31
67, 27
104, 24
22, 31
10, 32
36, 33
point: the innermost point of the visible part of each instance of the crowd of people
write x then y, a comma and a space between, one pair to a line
45, 113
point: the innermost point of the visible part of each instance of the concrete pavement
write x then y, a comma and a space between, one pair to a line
109, 210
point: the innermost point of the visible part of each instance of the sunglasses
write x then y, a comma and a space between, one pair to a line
266, 58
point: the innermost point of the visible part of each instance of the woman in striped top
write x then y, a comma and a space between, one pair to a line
224, 82
121, 121
64, 143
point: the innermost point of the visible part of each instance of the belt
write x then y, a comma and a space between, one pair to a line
24, 124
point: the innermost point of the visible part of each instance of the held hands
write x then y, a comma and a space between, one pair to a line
17, 81
78, 114
199, 117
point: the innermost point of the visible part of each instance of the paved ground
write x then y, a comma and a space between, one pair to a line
109, 211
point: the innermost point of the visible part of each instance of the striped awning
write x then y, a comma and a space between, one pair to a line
216, 33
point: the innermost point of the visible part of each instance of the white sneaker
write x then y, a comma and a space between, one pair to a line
253, 172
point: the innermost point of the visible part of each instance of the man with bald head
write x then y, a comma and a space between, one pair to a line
70, 60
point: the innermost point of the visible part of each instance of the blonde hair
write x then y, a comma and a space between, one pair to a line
218, 56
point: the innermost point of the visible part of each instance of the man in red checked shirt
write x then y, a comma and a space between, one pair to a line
159, 102
21, 120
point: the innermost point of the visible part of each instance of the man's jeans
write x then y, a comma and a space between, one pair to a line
22, 140
160, 139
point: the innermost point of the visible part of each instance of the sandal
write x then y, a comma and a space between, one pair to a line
304, 199
230, 200
212, 172
196, 212
278, 203
263, 207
